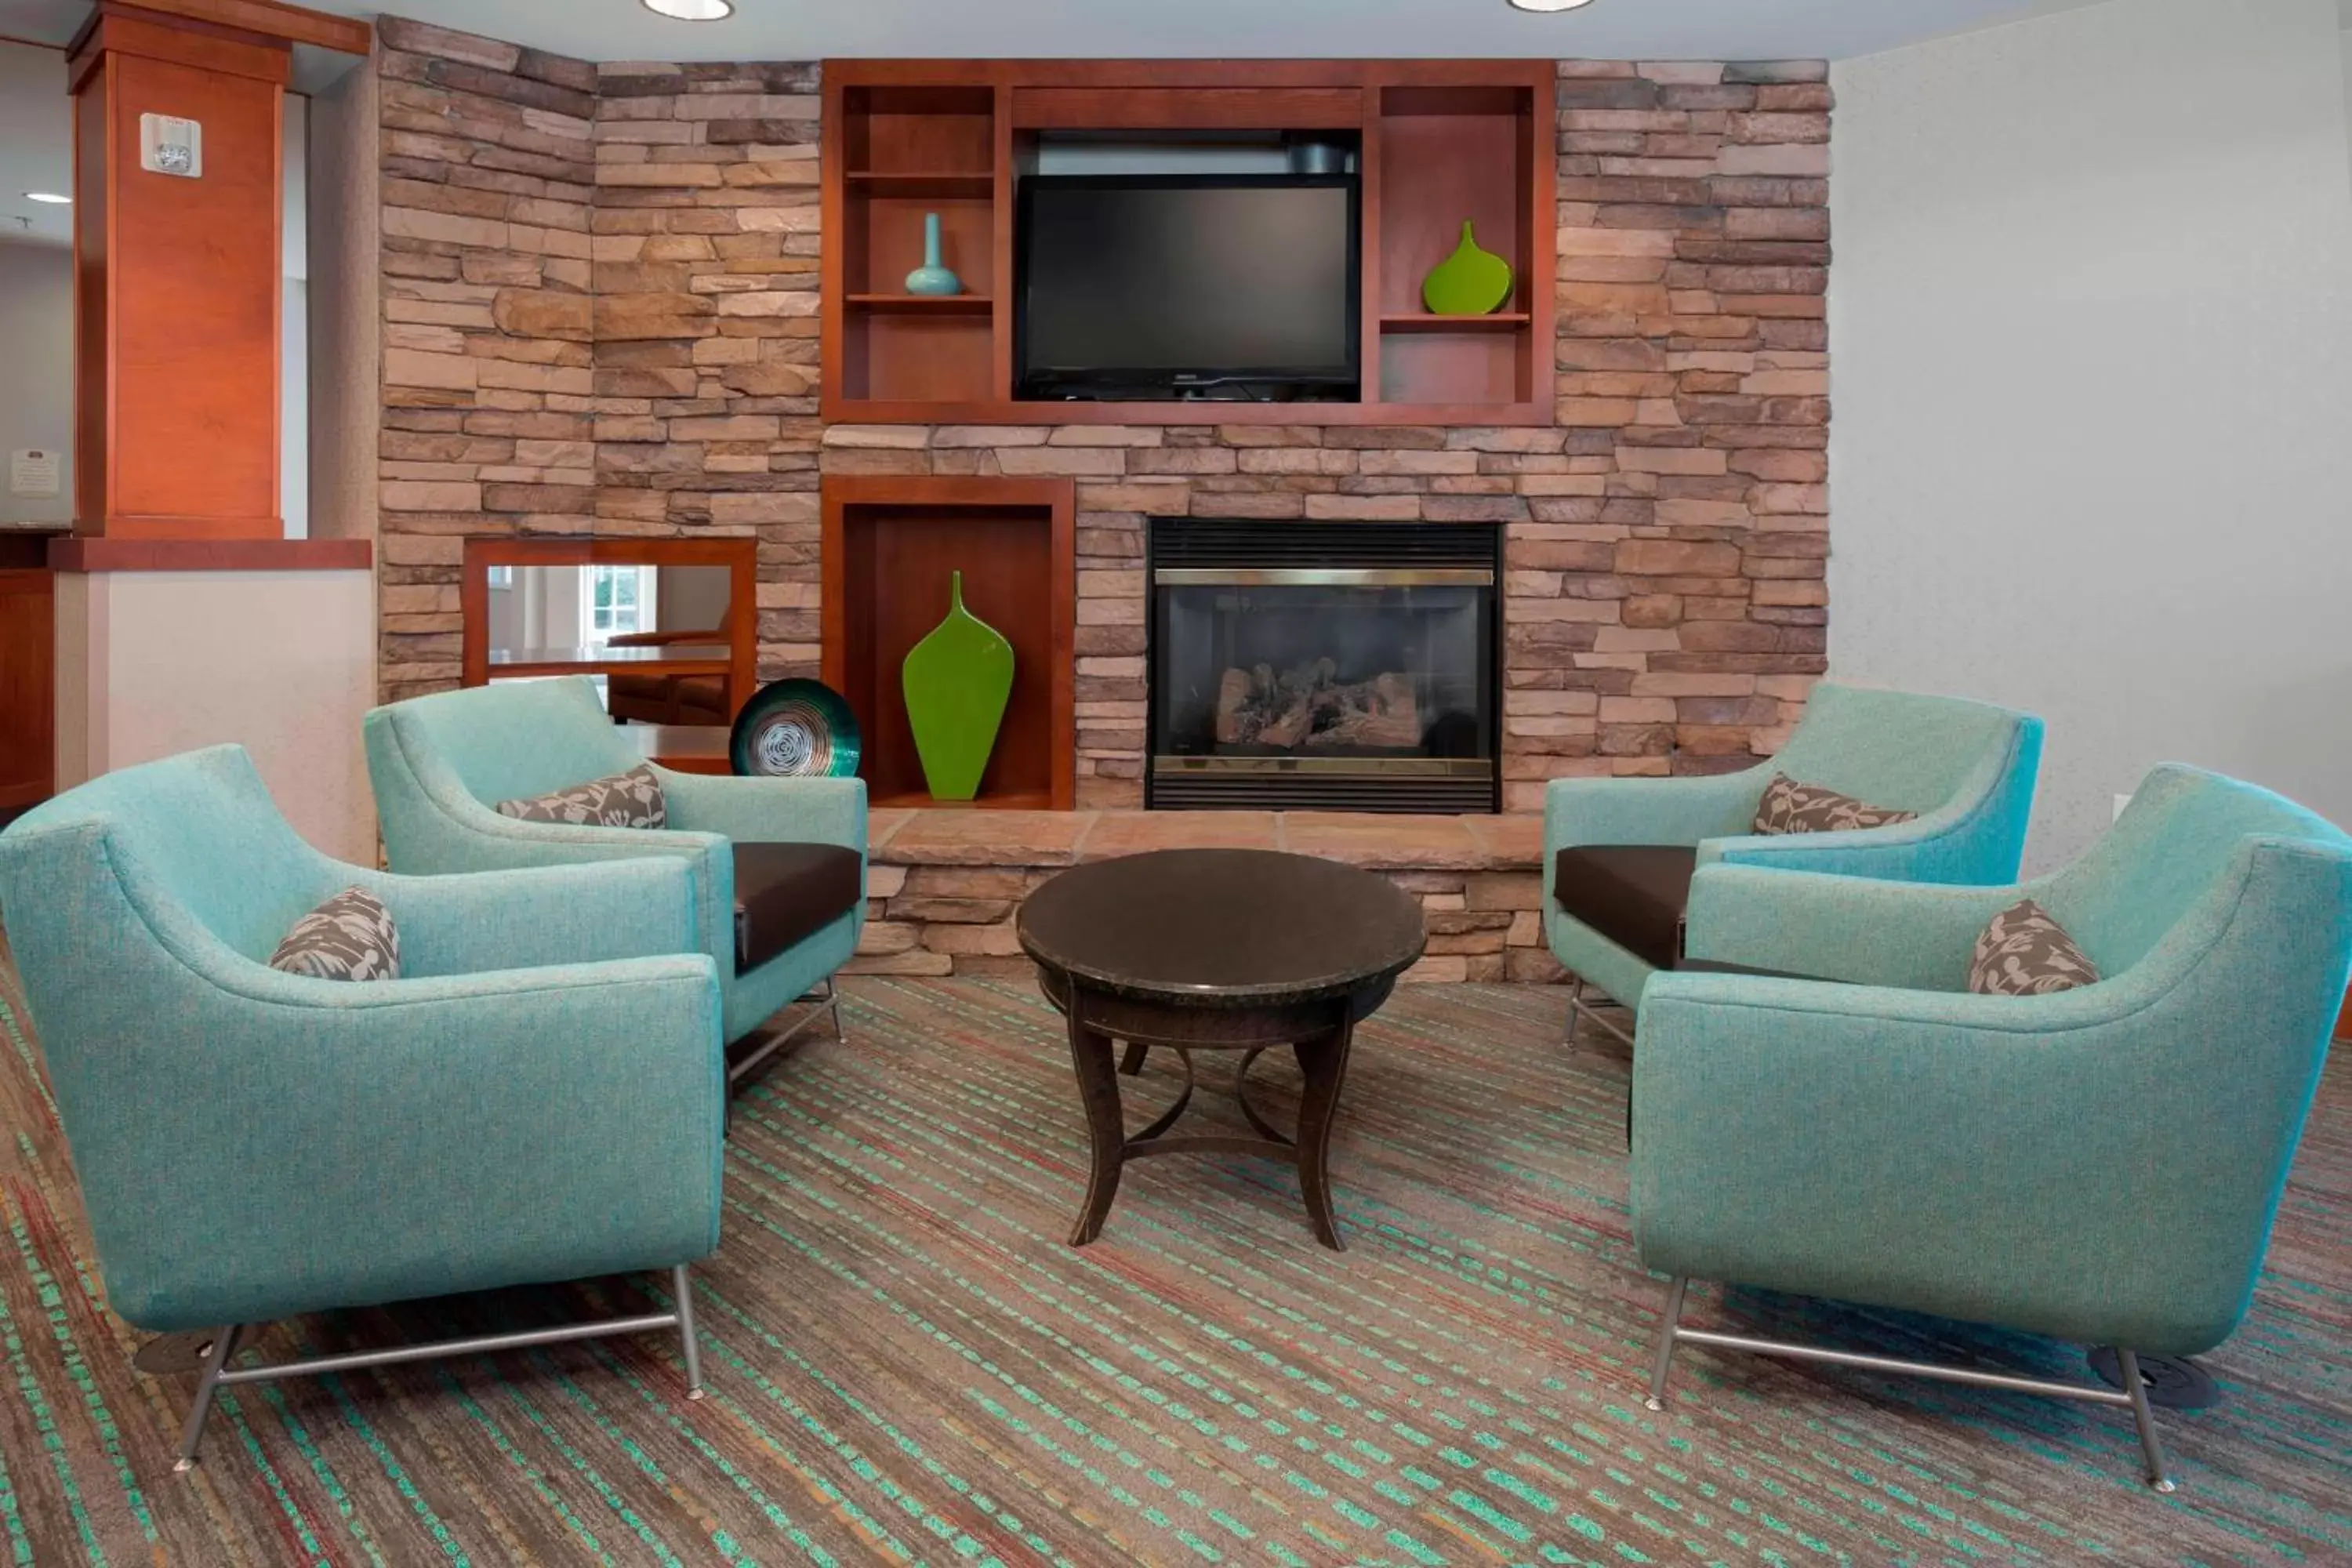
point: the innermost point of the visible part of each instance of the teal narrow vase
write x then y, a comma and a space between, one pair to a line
957, 682
932, 277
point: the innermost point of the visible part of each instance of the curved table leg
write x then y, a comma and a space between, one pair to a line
1167, 1118
1131, 1063
1325, 1064
1240, 1096
1098, 1091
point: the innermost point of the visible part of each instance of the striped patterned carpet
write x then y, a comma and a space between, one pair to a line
907, 1364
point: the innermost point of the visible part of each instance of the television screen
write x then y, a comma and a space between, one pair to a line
1130, 282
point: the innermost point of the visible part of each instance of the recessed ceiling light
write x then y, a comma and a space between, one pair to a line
693, 10
1549, 4
48, 198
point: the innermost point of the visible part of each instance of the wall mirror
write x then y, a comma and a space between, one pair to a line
668, 627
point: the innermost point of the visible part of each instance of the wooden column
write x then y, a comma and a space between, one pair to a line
177, 281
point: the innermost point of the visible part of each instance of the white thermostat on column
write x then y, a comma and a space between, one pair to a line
168, 145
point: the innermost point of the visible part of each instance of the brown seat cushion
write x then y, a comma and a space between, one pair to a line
668, 698
1633, 894
787, 893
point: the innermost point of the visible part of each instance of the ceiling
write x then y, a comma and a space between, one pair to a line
811, 30
35, 154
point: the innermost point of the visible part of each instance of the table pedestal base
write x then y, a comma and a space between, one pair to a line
1322, 1059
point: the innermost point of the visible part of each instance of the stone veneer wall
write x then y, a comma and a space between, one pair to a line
943, 886
601, 296
487, 185
600, 316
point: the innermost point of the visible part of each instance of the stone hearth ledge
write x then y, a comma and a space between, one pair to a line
945, 882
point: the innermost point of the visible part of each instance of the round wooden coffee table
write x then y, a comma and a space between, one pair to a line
1216, 950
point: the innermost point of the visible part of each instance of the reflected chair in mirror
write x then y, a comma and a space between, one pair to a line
778, 864
539, 1098
1618, 853
631, 697
2101, 1164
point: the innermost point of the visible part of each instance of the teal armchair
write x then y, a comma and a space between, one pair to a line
541, 1097
439, 765
2101, 1165
1623, 850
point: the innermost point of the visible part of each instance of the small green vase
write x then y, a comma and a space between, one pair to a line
1470, 282
957, 682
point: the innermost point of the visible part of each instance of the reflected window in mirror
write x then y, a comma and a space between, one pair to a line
616, 601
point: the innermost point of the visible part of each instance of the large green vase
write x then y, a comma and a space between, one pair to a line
1470, 282
957, 682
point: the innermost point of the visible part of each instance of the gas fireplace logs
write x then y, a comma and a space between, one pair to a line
1309, 706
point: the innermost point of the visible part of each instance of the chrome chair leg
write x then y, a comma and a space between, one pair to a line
1582, 1012
1668, 1325
2134, 1393
827, 1006
223, 1346
220, 1374
2137, 1386
682, 1288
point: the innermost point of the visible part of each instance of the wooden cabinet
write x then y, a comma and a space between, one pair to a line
1437, 143
28, 676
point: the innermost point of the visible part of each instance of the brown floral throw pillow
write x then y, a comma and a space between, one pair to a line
2024, 952
348, 936
633, 799
1789, 806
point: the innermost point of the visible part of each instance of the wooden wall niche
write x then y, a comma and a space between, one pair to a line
1441, 141
1444, 155
889, 545
909, 151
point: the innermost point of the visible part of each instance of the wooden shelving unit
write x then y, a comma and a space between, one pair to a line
1442, 153
945, 304
1441, 142
911, 182
1508, 322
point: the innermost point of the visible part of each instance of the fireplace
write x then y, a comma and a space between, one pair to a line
1324, 667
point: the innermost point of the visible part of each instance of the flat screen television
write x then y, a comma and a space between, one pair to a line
1157, 285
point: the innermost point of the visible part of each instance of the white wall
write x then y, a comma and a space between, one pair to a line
294, 323
153, 663
2093, 373
37, 371
345, 312
691, 598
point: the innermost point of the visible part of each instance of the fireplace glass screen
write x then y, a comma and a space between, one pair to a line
1355, 673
